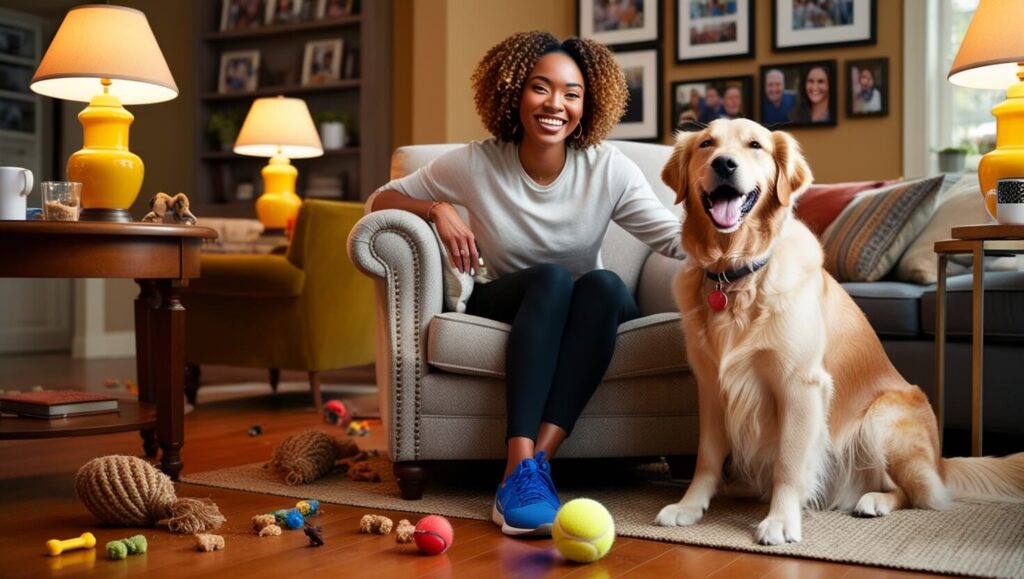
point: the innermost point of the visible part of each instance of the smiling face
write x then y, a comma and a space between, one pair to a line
733, 102
737, 181
551, 105
816, 85
774, 84
867, 80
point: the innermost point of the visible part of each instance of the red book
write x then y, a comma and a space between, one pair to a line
58, 403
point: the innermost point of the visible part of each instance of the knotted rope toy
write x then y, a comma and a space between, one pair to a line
302, 458
128, 491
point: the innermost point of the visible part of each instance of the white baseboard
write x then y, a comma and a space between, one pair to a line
105, 345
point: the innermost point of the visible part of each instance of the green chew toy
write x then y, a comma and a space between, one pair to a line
121, 548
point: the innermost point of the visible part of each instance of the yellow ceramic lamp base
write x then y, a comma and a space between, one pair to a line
279, 203
1007, 159
110, 174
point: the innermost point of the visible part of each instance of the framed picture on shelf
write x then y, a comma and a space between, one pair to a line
333, 8
284, 11
239, 71
698, 102
868, 82
803, 24
17, 41
322, 61
242, 14
642, 121
619, 21
714, 29
801, 94
17, 115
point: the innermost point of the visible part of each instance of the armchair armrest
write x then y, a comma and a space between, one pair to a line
399, 251
261, 276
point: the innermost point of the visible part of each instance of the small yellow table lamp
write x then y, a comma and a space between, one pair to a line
992, 56
105, 55
282, 129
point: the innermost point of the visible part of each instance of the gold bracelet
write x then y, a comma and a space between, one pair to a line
430, 211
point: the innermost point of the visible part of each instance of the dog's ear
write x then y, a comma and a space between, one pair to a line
792, 174
674, 173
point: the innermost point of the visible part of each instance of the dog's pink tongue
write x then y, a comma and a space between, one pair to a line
726, 212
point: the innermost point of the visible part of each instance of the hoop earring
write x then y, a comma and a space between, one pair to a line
578, 133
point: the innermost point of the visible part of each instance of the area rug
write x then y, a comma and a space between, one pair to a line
972, 539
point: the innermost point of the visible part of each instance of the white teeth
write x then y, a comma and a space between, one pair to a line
552, 122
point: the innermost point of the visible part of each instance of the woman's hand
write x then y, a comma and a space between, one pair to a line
457, 237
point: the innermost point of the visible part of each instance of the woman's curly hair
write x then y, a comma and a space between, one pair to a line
500, 77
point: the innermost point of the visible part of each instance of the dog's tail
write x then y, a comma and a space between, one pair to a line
986, 478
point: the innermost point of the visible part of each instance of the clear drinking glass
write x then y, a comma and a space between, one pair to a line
62, 200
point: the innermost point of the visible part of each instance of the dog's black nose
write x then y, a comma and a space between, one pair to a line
724, 165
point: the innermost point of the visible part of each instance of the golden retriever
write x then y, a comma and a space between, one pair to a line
793, 384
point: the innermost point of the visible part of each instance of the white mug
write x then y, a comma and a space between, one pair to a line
1009, 201
15, 185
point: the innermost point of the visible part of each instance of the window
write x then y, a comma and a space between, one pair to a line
970, 111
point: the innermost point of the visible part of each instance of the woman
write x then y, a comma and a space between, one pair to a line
540, 195
815, 107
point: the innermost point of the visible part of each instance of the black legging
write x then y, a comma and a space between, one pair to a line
562, 339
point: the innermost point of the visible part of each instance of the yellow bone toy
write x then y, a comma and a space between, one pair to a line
55, 547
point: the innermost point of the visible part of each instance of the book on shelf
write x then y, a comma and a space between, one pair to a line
57, 403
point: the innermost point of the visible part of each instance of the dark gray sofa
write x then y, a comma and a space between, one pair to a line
903, 316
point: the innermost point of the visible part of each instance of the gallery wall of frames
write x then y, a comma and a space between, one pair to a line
823, 69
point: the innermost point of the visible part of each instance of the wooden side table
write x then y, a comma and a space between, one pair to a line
161, 259
970, 239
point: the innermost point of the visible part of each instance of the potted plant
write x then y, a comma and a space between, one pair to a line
951, 159
335, 128
224, 125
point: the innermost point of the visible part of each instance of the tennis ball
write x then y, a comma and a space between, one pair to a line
433, 535
584, 530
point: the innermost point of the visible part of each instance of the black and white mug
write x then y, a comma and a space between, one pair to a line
1009, 196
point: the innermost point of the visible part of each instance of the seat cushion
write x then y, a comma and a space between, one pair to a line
893, 308
475, 346
1004, 306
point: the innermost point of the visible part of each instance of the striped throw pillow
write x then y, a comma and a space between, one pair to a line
872, 232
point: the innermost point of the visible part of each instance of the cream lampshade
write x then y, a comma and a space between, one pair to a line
105, 55
991, 56
282, 129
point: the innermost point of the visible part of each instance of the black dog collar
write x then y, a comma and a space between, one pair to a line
732, 275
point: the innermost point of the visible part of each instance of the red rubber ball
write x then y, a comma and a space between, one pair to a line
434, 534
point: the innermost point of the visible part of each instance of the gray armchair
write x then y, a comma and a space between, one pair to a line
441, 374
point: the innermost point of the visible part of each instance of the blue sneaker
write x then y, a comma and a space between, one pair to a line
527, 502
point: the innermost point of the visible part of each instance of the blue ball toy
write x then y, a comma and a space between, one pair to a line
294, 520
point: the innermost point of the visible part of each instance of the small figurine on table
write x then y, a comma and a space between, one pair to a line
167, 209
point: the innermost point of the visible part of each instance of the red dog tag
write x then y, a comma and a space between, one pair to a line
717, 300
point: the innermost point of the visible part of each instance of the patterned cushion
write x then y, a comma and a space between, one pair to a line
872, 232
819, 206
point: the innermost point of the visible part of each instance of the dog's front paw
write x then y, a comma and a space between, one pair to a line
677, 515
777, 531
874, 505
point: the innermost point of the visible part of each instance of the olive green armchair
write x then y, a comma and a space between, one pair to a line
308, 309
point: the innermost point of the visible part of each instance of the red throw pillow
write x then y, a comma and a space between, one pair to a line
819, 206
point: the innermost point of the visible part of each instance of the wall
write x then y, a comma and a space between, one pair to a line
449, 36
862, 148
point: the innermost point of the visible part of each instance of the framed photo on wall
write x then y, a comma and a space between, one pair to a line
642, 121
284, 11
713, 29
698, 102
801, 94
333, 8
868, 87
619, 21
322, 61
803, 24
241, 14
239, 71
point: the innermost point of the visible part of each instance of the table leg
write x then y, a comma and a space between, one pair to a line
167, 356
147, 301
977, 343
940, 348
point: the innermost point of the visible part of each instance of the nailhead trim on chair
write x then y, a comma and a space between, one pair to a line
417, 342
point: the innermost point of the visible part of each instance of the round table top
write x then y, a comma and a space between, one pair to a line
104, 228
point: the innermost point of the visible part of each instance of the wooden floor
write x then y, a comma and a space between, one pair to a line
38, 503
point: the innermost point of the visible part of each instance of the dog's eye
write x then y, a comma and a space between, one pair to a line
755, 145
706, 143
